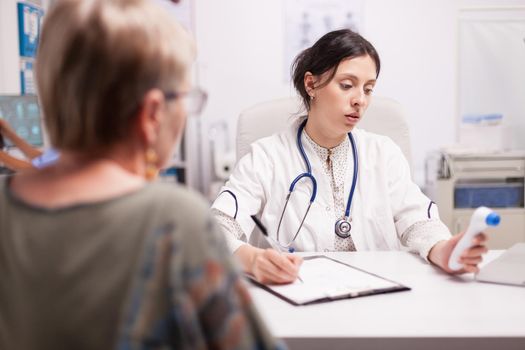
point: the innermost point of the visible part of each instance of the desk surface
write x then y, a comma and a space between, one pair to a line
440, 310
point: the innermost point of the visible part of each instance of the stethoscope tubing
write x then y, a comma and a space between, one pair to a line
354, 178
308, 174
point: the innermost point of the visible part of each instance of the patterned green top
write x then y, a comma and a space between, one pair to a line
146, 270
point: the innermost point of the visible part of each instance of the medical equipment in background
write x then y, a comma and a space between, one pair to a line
482, 218
222, 156
476, 129
176, 169
342, 226
460, 181
22, 113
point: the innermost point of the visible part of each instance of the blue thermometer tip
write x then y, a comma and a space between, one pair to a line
493, 219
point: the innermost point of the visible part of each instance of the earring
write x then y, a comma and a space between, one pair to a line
151, 158
312, 97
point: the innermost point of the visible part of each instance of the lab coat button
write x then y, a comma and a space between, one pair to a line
327, 208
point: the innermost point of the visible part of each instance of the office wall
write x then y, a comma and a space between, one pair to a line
9, 58
9, 50
417, 41
241, 46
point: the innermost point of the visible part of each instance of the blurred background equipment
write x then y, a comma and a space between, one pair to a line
23, 115
460, 181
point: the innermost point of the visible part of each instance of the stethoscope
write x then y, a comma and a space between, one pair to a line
343, 225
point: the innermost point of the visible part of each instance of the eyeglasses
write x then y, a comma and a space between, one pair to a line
194, 100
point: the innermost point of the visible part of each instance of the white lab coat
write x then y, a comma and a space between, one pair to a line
386, 201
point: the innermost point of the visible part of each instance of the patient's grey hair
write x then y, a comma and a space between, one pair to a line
96, 61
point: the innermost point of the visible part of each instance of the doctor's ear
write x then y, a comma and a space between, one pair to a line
309, 84
150, 116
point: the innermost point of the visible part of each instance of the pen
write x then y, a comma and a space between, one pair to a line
272, 244
264, 231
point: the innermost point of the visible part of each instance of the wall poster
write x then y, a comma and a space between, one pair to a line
305, 21
29, 27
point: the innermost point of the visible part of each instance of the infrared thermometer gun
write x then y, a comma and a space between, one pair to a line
480, 220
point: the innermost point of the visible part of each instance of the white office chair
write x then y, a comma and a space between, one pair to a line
384, 116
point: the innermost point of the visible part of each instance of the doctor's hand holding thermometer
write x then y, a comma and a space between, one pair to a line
463, 252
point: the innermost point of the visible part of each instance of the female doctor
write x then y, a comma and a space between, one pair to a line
325, 185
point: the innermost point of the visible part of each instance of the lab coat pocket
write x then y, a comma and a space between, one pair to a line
383, 234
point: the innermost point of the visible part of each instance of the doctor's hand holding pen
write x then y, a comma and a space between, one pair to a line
269, 266
272, 265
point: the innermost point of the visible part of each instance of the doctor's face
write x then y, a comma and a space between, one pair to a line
339, 105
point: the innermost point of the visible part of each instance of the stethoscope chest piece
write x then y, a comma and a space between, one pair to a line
343, 227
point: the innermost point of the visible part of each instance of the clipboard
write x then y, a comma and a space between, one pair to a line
326, 279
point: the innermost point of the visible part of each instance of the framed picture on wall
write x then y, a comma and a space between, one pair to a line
29, 27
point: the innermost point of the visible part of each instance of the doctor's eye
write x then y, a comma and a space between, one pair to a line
345, 86
369, 91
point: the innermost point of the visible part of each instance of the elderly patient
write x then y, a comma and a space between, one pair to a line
92, 255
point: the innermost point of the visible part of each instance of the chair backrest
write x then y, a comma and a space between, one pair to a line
384, 116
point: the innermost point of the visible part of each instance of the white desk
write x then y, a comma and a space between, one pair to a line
440, 312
